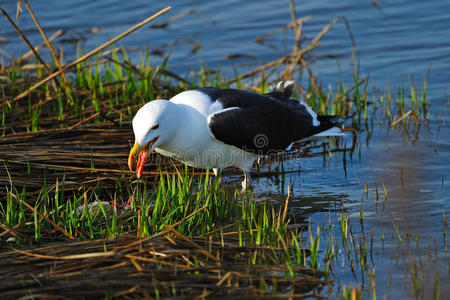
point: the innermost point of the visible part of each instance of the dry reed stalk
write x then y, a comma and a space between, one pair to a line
297, 27
175, 18
273, 63
190, 215
39, 47
130, 267
220, 229
18, 9
25, 39
298, 53
84, 120
96, 50
352, 38
179, 235
156, 261
101, 170
11, 230
44, 36
53, 166
261, 38
405, 115
286, 204
295, 58
67, 257
324, 30
225, 277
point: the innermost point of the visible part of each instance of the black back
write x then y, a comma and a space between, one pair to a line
261, 123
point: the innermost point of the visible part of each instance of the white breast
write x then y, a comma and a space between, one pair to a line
193, 143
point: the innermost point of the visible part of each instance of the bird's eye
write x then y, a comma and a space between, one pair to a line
155, 127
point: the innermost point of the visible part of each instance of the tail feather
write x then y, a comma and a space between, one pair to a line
329, 126
333, 131
331, 120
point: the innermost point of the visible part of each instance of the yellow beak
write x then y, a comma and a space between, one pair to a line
132, 156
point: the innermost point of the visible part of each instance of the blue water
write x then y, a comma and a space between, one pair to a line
397, 40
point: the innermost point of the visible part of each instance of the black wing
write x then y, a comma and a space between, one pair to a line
262, 129
261, 123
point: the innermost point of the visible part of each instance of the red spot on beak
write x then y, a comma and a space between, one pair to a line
142, 158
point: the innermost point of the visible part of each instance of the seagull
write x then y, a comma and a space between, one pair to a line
214, 128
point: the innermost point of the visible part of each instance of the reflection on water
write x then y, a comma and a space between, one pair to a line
303, 207
417, 201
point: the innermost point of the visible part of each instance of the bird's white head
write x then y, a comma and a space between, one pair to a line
153, 125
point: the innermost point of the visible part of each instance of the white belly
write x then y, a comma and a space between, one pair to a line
214, 154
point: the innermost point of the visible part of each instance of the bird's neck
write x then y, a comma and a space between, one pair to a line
185, 118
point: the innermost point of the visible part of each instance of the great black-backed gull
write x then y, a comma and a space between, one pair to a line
213, 128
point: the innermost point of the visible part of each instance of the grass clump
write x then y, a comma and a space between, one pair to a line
191, 232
